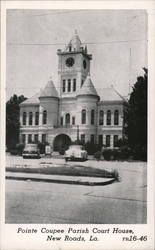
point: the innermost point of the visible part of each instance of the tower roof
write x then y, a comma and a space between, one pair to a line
49, 90
110, 94
34, 100
88, 88
75, 43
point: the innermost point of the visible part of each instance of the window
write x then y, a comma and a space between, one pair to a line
92, 139
82, 82
100, 139
61, 120
43, 138
107, 140
70, 48
29, 138
64, 86
73, 120
37, 118
116, 117
92, 117
30, 118
44, 117
101, 117
24, 118
115, 140
83, 138
108, 117
36, 138
83, 116
74, 84
67, 118
23, 138
69, 85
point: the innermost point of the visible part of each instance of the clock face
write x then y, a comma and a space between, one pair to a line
70, 62
84, 64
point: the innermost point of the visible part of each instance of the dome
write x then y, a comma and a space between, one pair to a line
87, 88
75, 43
49, 90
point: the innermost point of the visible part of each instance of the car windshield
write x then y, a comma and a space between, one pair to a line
80, 147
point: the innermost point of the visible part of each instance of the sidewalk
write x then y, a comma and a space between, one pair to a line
77, 180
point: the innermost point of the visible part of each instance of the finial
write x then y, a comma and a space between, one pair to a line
112, 86
50, 78
75, 31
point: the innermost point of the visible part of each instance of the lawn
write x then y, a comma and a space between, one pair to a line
74, 170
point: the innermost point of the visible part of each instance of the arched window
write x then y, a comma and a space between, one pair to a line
44, 117
24, 118
69, 85
101, 117
92, 117
107, 140
116, 117
30, 118
37, 118
108, 117
74, 84
83, 116
64, 86
67, 118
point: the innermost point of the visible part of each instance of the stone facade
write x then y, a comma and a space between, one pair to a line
76, 110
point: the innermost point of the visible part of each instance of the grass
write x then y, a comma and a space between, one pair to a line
69, 171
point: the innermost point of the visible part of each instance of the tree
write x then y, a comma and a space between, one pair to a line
12, 120
137, 116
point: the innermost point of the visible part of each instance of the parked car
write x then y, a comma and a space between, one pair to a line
76, 152
31, 151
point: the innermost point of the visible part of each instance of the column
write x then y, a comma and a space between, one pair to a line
26, 138
111, 141
33, 118
112, 117
105, 117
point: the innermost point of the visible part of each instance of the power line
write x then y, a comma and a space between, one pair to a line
91, 43
52, 13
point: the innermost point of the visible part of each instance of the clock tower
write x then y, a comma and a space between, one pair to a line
73, 67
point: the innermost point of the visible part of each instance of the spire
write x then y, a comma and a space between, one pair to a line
49, 90
88, 88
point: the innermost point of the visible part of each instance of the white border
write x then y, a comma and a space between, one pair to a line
9, 237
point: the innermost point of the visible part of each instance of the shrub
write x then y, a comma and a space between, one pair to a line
62, 151
124, 152
41, 147
92, 148
107, 154
98, 155
20, 148
13, 151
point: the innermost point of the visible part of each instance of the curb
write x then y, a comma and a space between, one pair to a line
61, 181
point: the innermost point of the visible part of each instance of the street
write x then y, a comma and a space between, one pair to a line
122, 202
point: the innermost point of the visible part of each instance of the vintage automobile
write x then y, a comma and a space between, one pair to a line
31, 152
76, 152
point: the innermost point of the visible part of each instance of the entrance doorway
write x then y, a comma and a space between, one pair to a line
61, 142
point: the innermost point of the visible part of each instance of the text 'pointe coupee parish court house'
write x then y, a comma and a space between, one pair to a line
76, 111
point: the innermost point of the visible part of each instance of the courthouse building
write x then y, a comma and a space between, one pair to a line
75, 109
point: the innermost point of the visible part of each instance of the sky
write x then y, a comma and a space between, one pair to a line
117, 40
